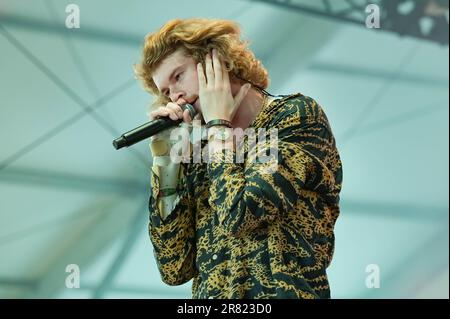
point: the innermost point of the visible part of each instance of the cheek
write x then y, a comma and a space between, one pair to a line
194, 83
189, 83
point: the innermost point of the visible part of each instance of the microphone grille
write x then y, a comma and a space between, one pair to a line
190, 108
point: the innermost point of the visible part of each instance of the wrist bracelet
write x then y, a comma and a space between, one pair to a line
219, 122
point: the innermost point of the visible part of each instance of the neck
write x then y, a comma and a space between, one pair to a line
248, 109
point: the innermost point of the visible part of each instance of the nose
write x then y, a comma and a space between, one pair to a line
174, 97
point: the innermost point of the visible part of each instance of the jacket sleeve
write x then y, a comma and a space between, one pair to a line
254, 193
173, 238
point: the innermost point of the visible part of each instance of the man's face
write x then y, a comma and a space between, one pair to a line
176, 77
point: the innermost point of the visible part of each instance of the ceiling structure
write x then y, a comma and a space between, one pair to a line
68, 197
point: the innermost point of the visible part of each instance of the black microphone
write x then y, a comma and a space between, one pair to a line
151, 128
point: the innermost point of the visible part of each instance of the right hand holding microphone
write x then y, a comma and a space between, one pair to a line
172, 110
160, 144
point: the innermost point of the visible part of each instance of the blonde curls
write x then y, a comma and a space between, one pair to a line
198, 37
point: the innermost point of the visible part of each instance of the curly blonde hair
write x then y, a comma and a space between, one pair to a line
197, 37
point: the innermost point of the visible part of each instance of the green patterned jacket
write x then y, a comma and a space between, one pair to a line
241, 232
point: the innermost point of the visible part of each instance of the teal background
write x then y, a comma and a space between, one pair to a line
67, 197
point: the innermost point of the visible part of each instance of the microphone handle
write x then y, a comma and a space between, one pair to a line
151, 128
144, 131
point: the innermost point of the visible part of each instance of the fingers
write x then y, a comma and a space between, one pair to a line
186, 116
201, 77
171, 110
160, 112
217, 67
225, 77
210, 79
177, 111
215, 74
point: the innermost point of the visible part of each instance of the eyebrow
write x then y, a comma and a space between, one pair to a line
170, 78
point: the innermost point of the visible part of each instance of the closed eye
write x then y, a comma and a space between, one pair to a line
166, 92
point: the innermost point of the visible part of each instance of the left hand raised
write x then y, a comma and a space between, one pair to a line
216, 99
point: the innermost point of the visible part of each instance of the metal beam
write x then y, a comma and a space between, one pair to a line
88, 243
299, 7
348, 70
86, 108
17, 283
132, 236
76, 57
92, 241
420, 112
49, 224
87, 33
93, 34
366, 110
426, 214
391, 20
288, 56
160, 292
77, 182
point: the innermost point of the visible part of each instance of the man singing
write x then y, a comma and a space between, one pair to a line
239, 229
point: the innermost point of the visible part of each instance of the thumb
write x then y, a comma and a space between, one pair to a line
241, 94
181, 101
187, 117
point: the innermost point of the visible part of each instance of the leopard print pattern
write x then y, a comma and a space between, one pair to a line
240, 232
